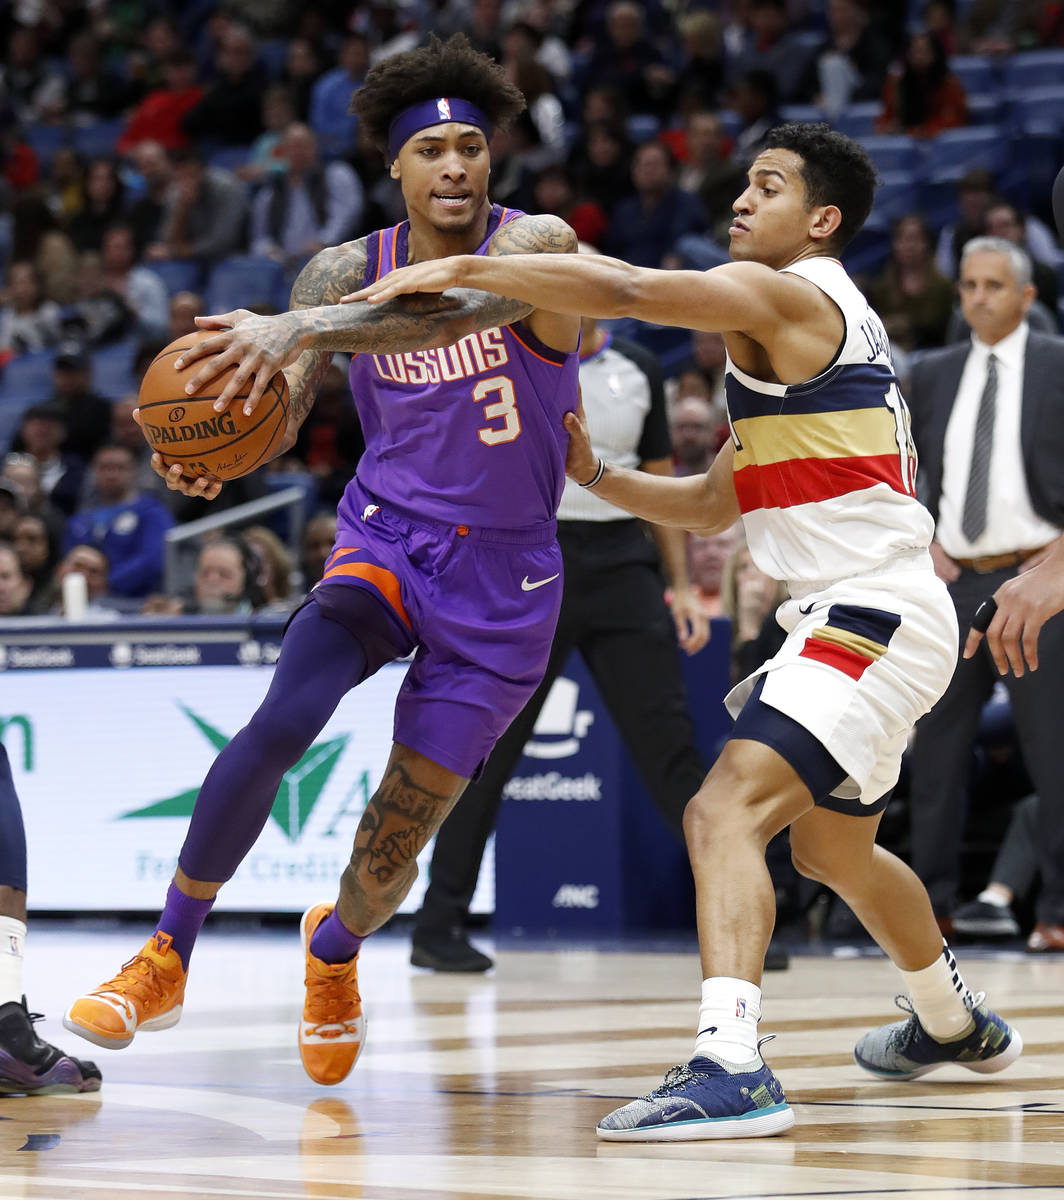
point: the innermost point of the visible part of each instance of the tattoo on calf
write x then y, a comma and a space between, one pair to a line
397, 824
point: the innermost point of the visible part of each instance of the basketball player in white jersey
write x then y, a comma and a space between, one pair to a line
821, 468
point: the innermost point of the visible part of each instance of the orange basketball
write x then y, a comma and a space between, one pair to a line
187, 430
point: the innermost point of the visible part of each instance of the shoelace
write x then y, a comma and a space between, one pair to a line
971, 1002
328, 998
145, 985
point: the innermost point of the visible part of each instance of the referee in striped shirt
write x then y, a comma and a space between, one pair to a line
614, 612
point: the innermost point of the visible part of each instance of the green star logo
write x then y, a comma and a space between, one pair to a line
300, 789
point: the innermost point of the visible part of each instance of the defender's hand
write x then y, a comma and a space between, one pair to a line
581, 462
434, 275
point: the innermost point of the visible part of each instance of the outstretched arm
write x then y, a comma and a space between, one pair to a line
745, 297
260, 346
703, 504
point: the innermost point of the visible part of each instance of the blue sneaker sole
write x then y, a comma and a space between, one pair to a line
986, 1066
764, 1122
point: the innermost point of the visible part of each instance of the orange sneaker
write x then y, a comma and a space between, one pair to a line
146, 994
333, 1029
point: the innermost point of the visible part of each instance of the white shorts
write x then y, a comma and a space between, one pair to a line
865, 658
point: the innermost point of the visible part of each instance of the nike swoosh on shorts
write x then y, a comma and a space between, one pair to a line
531, 587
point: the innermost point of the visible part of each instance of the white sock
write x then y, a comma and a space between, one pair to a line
940, 997
727, 1019
994, 898
12, 939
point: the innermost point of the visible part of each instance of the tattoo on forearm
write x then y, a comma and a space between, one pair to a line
411, 322
397, 824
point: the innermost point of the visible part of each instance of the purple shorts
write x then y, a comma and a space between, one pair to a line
477, 606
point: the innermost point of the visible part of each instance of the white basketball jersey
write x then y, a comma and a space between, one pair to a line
825, 471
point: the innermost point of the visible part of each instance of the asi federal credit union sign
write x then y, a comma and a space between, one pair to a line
108, 764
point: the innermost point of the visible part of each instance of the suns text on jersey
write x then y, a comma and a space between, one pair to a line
472, 356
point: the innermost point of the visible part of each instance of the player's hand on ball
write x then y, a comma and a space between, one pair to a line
187, 485
258, 347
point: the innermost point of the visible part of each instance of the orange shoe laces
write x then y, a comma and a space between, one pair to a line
330, 999
143, 981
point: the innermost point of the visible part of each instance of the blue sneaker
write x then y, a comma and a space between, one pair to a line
905, 1050
705, 1098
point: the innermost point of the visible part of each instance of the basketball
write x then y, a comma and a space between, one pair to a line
187, 430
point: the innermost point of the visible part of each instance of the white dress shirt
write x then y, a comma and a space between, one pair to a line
1011, 522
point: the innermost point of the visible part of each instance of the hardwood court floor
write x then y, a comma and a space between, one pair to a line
490, 1086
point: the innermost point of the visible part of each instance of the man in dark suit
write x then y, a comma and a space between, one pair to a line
988, 421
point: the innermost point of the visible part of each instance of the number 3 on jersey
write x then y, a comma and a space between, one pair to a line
505, 407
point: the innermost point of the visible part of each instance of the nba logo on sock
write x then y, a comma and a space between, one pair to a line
740, 1007
443, 109
15, 945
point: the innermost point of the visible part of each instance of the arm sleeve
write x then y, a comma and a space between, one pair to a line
655, 442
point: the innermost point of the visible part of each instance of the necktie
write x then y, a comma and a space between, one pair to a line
973, 522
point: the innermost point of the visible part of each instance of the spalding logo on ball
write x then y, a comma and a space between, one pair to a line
222, 445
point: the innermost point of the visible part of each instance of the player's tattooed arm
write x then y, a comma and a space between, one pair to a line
321, 281
428, 319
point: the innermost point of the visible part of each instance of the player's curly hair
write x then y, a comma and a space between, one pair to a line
835, 170
450, 68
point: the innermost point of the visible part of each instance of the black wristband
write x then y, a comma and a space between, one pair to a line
597, 476
984, 614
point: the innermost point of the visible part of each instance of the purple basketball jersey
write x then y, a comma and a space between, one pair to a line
470, 434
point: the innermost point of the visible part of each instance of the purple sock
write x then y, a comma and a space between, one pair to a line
182, 919
333, 942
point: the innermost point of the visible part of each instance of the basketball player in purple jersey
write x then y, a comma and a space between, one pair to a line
445, 545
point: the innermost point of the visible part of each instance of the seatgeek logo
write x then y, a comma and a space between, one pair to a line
561, 727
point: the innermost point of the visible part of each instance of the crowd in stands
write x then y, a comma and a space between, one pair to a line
160, 160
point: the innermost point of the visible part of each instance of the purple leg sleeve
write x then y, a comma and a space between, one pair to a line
320, 661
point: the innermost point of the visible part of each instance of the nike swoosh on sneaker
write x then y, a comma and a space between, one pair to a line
526, 586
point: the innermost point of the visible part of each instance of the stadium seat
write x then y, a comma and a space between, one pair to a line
985, 108
98, 139
112, 369
246, 281
979, 73
868, 251
699, 252
1039, 108
897, 196
730, 122
272, 55
1034, 69
893, 152
10, 419
642, 127
807, 114
45, 140
277, 481
27, 378
228, 157
179, 274
985, 146
859, 120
